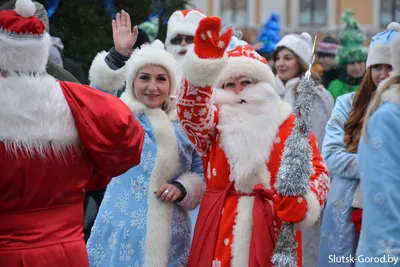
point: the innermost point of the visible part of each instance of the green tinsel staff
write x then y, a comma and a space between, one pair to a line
296, 167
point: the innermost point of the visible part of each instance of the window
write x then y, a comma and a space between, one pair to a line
312, 12
389, 11
234, 12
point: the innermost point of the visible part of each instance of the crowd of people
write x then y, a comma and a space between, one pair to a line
177, 152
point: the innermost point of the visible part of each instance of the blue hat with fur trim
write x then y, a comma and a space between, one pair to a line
379, 48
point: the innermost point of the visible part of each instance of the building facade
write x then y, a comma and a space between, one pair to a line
318, 17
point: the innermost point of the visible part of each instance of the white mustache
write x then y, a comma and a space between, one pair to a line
257, 93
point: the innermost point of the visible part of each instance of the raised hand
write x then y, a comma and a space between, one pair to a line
123, 35
208, 41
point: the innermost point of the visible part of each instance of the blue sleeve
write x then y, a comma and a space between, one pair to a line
197, 164
96, 87
338, 161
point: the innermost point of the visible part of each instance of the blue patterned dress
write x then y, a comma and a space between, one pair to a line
379, 162
338, 235
120, 231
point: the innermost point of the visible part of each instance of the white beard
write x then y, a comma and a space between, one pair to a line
249, 130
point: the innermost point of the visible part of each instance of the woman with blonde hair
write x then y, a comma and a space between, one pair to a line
342, 215
143, 219
379, 157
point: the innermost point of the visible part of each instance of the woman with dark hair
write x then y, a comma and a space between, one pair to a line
339, 236
292, 56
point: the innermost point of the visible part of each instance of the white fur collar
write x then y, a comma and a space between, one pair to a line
248, 132
392, 95
34, 114
286, 91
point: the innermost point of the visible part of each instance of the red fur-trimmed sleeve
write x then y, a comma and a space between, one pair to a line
319, 187
197, 115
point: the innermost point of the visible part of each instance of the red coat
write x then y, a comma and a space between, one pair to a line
243, 152
56, 141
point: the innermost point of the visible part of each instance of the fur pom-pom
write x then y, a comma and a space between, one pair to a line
25, 8
306, 36
158, 44
394, 26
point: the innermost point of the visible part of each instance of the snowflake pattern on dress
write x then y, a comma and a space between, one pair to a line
179, 226
122, 202
387, 248
139, 187
97, 254
379, 199
107, 217
139, 218
147, 160
125, 252
112, 240
377, 142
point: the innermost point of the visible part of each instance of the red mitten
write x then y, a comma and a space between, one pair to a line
208, 43
290, 209
356, 219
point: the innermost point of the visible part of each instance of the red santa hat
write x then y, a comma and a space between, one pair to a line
183, 22
243, 60
24, 43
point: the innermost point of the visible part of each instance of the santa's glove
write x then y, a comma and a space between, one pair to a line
290, 209
208, 41
356, 219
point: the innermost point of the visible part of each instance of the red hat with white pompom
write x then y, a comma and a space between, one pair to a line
24, 43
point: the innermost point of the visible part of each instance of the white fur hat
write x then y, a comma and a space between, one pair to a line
183, 22
395, 51
151, 54
24, 43
300, 44
379, 48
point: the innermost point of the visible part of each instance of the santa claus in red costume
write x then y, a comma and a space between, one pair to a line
56, 140
240, 129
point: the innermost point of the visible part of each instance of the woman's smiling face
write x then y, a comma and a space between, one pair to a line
152, 86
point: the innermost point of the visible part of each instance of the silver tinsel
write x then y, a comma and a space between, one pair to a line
295, 170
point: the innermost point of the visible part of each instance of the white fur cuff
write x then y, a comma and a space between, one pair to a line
202, 72
194, 186
102, 76
313, 212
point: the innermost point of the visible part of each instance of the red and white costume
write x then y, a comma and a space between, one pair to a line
56, 141
241, 147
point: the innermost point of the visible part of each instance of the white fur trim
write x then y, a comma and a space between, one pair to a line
185, 25
24, 55
313, 212
25, 8
378, 54
200, 71
103, 76
152, 54
248, 132
392, 95
395, 51
245, 66
194, 186
35, 116
242, 231
159, 215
